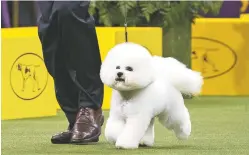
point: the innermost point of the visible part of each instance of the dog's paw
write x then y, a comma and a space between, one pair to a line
126, 146
147, 141
126, 143
183, 132
148, 138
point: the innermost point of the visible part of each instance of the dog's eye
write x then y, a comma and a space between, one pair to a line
129, 68
118, 67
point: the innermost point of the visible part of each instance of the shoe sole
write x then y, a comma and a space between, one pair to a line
64, 141
93, 139
59, 142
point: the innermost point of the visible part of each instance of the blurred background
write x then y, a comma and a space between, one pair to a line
208, 36
25, 13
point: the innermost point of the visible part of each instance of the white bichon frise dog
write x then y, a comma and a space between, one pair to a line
145, 87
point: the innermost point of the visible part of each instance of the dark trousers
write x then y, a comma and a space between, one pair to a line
71, 54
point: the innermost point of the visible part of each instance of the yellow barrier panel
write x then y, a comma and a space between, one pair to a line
27, 89
219, 46
220, 51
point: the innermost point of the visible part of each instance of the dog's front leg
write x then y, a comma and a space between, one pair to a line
23, 84
133, 132
148, 139
114, 127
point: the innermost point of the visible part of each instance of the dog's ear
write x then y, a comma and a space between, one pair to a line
19, 66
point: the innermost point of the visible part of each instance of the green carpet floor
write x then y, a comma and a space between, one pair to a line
220, 126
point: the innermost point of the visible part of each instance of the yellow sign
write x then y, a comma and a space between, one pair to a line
220, 51
27, 89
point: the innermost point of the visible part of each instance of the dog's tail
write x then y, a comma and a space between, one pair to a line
185, 80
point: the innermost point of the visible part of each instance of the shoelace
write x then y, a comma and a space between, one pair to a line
84, 112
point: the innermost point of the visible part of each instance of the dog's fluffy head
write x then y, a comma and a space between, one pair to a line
127, 66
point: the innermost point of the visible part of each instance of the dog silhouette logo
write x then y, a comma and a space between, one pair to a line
28, 76
214, 58
205, 58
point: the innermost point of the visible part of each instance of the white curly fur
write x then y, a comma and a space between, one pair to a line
150, 87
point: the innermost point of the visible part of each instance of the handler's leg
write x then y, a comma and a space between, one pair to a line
66, 92
79, 42
64, 29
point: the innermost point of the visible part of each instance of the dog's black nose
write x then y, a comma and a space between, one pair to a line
119, 74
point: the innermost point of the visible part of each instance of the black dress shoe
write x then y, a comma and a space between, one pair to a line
87, 127
62, 137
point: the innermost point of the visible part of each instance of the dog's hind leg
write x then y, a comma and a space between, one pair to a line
148, 139
36, 82
34, 85
113, 129
177, 118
